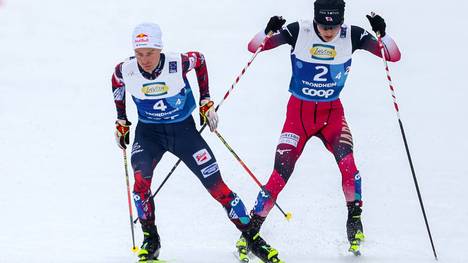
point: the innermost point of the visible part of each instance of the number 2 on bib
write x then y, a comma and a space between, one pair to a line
319, 75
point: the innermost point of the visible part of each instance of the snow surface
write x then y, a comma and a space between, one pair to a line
63, 195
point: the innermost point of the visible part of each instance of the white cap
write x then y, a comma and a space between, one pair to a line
147, 35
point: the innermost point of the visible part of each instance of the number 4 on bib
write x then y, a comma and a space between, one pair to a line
160, 105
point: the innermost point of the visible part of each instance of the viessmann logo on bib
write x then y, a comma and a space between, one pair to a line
323, 52
155, 89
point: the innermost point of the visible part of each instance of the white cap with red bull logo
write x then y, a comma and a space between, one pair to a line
147, 35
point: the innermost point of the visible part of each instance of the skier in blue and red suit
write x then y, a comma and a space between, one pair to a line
321, 53
159, 87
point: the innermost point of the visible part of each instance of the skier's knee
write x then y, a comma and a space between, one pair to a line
142, 183
341, 150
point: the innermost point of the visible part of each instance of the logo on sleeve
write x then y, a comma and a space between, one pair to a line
363, 35
323, 52
202, 156
155, 89
282, 151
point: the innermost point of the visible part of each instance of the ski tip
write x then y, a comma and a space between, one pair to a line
356, 252
242, 258
154, 261
355, 248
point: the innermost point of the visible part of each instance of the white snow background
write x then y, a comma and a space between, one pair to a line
63, 194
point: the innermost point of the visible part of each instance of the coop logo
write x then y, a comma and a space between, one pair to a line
318, 93
155, 89
323, 52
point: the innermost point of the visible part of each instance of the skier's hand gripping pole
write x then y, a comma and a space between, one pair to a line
379, 34
238, 77
287, 215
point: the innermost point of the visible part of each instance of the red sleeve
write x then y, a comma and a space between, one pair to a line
196, 60
362, 39
287, 35
274, 41
118, 88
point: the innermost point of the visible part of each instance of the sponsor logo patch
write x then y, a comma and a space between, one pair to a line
136, 148
281, 152
141, 40
172, 66
357, 177
363, 35
233, 214
323, 52
202, 156
210, 170
155, 89
318, 93
344, 31
289, 138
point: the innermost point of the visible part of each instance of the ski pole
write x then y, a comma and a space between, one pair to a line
287, 215
134, 248
392, 89
217, 107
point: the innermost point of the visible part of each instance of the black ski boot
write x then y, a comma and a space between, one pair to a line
258, 246
151, 244
354, 227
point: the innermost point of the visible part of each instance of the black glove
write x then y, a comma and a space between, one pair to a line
275, 24
377, 24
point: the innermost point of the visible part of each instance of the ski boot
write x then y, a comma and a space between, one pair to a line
149, 251
259, 247
354, 227
243, 250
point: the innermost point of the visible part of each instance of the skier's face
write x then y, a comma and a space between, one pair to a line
328, 33
148, 58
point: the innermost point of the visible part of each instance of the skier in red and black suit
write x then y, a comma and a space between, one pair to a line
321, 52
164, 99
